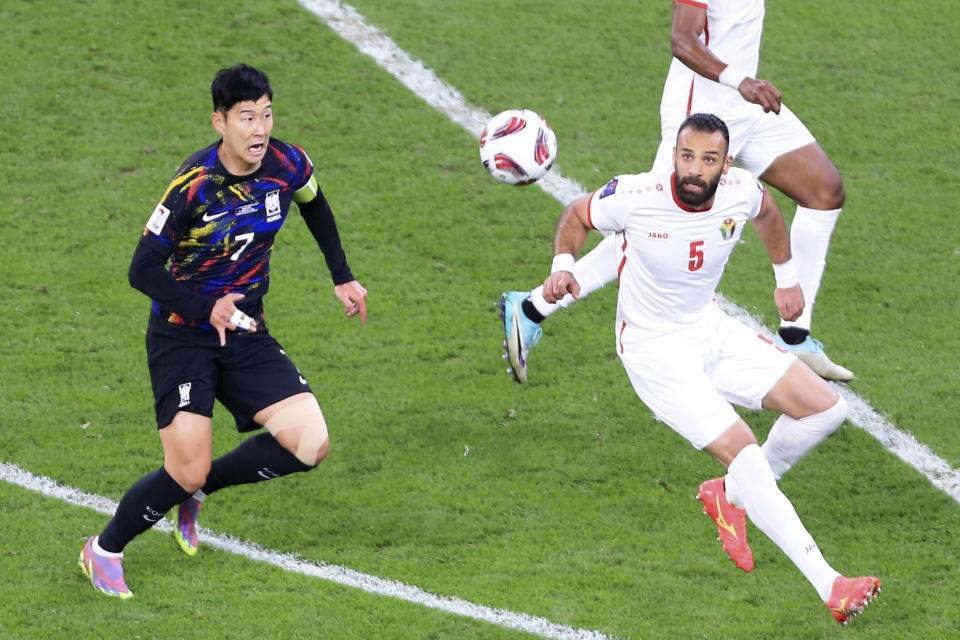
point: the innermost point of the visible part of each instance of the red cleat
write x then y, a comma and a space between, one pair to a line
731, 522
850, 595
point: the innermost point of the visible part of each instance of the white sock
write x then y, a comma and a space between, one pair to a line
810, 234
593, 271
770, 510
791, 440
97, 549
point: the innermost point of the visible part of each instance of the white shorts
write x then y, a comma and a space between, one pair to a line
689, 378
756, 138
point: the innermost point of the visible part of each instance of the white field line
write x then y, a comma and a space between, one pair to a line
333, 573
351, 26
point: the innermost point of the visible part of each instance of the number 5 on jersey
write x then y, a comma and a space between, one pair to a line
696, 255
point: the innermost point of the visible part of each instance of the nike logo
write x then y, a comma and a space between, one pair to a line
150, 519
303, 380
210, 218
722, 522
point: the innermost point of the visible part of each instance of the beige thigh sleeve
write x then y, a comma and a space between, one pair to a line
306, 414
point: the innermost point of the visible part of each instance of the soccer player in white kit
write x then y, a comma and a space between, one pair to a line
716, 48
688, 361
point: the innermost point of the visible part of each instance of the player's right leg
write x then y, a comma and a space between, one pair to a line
522, 312
188, 450
751, 482
785, 155
186, 442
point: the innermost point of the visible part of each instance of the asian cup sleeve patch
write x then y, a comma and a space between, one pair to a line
158, 219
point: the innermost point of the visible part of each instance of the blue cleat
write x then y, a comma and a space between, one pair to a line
810, 351
185, 528
522, 334
106, 573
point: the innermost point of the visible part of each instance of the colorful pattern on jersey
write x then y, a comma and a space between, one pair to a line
219, 228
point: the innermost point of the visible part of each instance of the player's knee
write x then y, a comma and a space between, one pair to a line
313, 443
835, 195
829, 420
829, 194
191, 475
837, 413
322, 451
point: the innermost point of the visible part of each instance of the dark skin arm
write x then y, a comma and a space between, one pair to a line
686, 46
772, 231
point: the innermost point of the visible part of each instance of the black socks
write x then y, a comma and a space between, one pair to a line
531, 311
793, 335
142, 506
258, 458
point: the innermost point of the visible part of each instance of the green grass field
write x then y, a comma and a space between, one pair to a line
561, 499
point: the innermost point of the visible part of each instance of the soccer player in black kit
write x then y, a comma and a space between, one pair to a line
204, 261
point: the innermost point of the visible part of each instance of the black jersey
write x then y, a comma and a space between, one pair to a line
218, 229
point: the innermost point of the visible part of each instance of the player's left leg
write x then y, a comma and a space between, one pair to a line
298, 426
753, 372
296, 440
811, 411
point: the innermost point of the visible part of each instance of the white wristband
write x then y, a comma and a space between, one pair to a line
732, 77
241, 319
563, 262
785, 274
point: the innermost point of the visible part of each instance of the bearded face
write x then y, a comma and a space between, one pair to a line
696, 192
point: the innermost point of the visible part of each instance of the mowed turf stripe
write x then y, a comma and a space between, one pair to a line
333, 573
423, 82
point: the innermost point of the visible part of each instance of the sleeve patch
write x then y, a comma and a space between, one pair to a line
609, 189
158, 219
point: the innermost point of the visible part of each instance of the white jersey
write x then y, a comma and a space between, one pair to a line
732, 33
670, 257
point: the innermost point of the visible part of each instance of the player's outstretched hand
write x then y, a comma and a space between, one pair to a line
354, 299
225, 315
789, 302
559, 284
761, 92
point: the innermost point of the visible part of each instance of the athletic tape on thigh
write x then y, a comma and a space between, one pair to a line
304, 413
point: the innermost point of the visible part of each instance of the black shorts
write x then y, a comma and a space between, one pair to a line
189, 369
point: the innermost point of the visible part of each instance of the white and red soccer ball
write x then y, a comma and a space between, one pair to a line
518, 146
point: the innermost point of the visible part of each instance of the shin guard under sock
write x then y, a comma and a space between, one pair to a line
258, 458
142, 506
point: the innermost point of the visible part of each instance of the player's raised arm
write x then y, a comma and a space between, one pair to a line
772, 231
686, 45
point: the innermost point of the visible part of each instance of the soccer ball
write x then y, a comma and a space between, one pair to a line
518, 146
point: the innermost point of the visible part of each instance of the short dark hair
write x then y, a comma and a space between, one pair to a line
705, 123
238, 83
